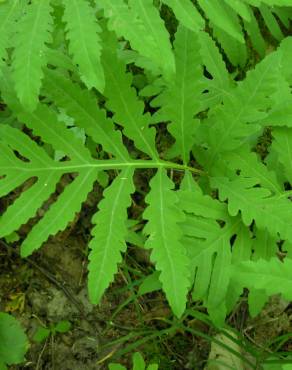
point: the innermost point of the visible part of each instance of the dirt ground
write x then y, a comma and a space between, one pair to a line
50, 286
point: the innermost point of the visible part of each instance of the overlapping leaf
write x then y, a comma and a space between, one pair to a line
183, 92
168, 252
84, 41
256, 203
109, 234
29, 57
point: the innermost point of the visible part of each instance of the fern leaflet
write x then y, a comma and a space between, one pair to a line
29, 56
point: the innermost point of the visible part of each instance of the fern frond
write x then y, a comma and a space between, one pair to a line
124, 103
120, 16
235, 51
223, 17
61, 212
109, 234
249, 165
233, 122
255, 203
273, 277
168, 252
156, 30
220, 84
264, 245
242, 247
29, 56
180, 101
271, 22
30, 201
253, 30
207, 243
187, 14
82, 106
84, 41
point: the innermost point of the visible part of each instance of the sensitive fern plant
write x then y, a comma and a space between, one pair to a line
217, 216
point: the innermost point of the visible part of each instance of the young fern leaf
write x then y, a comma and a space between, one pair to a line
25, 206
60, 213
254, 32
264, 245
82, 106
187, 14
155, 29
120, 16
29, 56
236, 51
255, 203
249, 165
220, 83
271, 22
123, 101
237, 118
180, 100
208, 245
273, 277
109, 234
223, 17
168, 252
84, 41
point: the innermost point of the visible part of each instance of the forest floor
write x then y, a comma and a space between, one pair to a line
50, 287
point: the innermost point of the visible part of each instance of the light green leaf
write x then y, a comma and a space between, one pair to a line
223, 17
109, 234
168, 253
84, 41
186, 13
123, 101
184, 91
29, 56
156, 30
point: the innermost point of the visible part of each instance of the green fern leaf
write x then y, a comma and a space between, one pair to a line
120, 16
273, 277
84, 41
109, 234
61, 212
236, 51
231, 123
184, 92
271, 22
242, 247
255, 203
207, 243
223, 17
123, 101
254, 32
168, 253
30, 201
220, 83
187, 14
82, 106
264, 245
155, 29
240, 8
29, 56
249, 165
